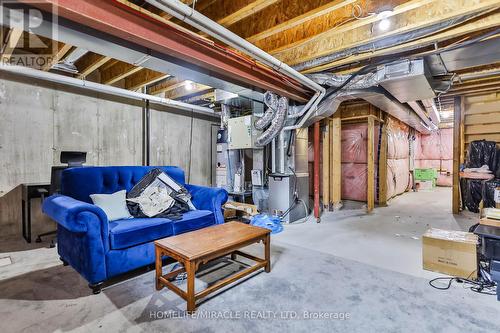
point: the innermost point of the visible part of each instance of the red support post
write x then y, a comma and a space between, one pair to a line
316, 144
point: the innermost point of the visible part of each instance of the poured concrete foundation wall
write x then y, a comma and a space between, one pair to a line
39, 120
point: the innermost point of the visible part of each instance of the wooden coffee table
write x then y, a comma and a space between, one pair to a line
201, 246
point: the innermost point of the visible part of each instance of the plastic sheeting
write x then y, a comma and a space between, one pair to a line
355, 180
398, 154
436, 151
398, 176
354, 143
489, 192
482, 152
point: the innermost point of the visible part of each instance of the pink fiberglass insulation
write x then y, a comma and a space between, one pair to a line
431, 146
398, 169
436, 151
398, 177
354, 181
397, 140
354, 141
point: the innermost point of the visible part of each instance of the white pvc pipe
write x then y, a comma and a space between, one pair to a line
102, 88
203, 23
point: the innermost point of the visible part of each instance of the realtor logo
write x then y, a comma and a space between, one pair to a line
28, 35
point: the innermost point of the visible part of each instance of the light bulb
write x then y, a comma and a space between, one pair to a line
384, 24
189, 85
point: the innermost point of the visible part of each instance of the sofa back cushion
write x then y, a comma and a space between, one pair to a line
80, 183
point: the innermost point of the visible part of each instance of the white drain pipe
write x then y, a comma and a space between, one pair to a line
102, 88
212, 28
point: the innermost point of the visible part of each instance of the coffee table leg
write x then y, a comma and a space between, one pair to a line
158, 266
191, 271
267, 249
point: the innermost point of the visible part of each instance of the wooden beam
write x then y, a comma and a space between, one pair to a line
382, 165
143, 78
62, 50
251, 7
336, 168
118, 72
325, 158
301, 19
90, 63
13, 38
370, 183
166, 86
182, 91
456, 155
423, 14
234, 11
462, 30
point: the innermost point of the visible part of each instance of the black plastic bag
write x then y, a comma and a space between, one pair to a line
472, 190
482, 152
489, 192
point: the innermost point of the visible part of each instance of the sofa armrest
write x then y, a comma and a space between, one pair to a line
66, 210
82, 239
209, 198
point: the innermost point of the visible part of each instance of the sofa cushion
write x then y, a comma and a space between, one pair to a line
193, 220
131, 232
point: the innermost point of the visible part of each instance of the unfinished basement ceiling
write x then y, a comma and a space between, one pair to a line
313, 36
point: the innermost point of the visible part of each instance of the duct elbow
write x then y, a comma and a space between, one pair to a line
277, 124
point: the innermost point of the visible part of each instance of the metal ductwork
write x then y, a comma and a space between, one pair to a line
407, 80
68, 63
378, 97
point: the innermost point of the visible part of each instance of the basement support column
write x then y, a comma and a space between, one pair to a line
336, 165
370, 183
316, 144
325, 158
146, 131
458, 109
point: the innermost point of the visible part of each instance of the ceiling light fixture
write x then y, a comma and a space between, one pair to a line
385, 21
189, 85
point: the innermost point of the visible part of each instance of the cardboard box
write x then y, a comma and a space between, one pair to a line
425, 185
450, 252
234, 207
490, 222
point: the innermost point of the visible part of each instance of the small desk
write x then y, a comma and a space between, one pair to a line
30, 191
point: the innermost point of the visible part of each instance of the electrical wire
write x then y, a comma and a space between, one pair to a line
481, 287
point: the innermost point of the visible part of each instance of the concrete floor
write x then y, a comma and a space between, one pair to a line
368, 264
389, 237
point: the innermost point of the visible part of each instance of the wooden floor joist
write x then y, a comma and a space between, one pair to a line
423, 14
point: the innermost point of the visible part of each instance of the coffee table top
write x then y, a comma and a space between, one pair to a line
203, 242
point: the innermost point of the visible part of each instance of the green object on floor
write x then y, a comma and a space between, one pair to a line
425, 174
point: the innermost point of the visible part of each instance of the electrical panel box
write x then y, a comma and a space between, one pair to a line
241, 134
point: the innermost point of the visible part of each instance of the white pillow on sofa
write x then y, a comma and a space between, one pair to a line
114, 205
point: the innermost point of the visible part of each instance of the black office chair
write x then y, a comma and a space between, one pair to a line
73, 159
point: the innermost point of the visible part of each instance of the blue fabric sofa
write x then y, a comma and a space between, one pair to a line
99, 249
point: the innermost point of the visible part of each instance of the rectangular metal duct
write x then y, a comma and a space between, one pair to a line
407, 80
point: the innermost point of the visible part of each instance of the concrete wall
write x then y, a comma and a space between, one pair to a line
39, 120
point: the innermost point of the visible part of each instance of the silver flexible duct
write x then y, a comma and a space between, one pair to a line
271, 101
276, 125
334, 80
224, 115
